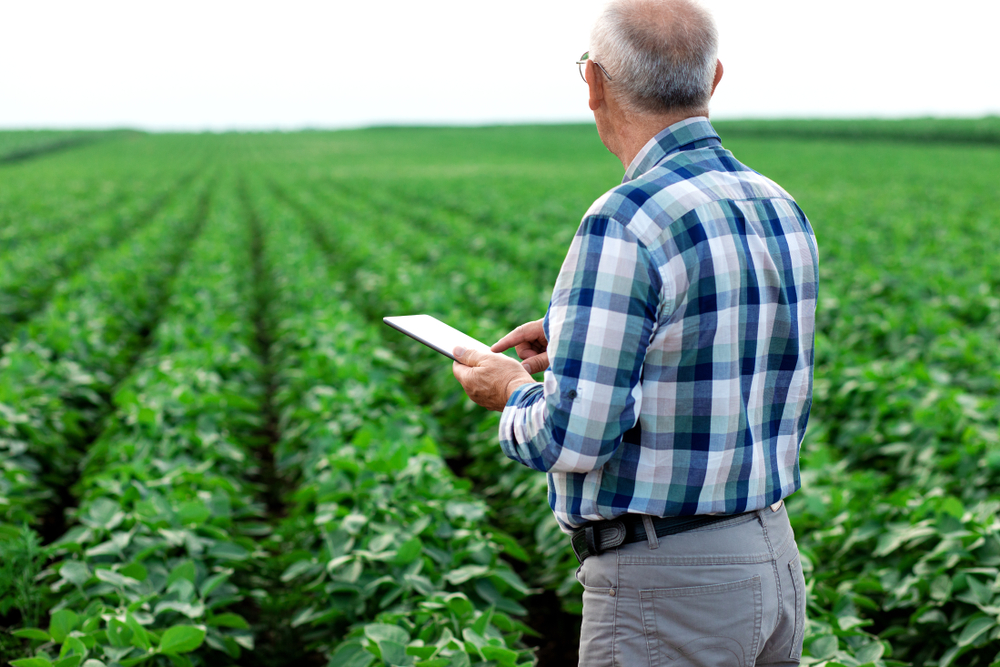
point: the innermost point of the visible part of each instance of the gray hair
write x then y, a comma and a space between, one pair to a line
661, 54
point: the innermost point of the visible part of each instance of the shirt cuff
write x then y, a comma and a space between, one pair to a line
518, 409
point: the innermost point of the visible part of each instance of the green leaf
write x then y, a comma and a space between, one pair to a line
112, 547
395, 654
185, 570
32, 633
823, 647
304, 616
192, 610
351, 654
870, 652
379, 632
408, 551
181, 639
228, 551
76, 572
504, 656
510, 546
119, 635
483, 621
229, 620
103, 513
73, 646
136, 571
461, 659
131, 662
462, 574
391, 640
296, 569
62, 623
32, 662
421, 651
473, 638
459, 605
471, 512
116, 579
140, 638
193, 512
982, 592
489, 592
940, 588
69, 661
93, 663
183, 588
975, 629
214, 582
147, 416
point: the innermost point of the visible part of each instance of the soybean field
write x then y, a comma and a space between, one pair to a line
213, 452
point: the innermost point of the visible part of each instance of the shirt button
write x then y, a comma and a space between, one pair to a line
571, 394
611, 592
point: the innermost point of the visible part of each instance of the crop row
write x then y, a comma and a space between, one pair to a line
57, 372
492, 288
165, 510
27, 278
381, 543
35, 212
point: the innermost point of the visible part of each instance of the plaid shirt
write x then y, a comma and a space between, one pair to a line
680, 343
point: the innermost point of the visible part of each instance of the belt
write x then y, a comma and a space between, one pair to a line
599, 536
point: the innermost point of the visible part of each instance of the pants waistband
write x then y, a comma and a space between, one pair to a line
599, 536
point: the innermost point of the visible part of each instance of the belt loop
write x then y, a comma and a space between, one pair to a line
647, 523
593, 545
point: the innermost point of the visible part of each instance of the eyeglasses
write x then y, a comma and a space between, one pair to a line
582, 64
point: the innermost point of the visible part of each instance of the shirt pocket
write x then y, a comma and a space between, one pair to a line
714, 624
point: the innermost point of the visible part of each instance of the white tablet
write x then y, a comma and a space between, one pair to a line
434, 333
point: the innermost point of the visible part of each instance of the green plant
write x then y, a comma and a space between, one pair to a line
21, 560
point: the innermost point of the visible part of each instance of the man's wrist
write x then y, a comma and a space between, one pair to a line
513, 385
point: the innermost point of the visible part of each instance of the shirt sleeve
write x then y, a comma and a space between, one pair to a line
600, 320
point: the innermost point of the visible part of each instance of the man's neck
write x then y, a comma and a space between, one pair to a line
634, 131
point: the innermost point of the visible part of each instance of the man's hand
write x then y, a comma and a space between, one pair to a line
529, 341
488, 379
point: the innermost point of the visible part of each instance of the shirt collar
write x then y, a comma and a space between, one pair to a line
694, 132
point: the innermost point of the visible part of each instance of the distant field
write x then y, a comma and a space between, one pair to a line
16, 146
213, 452
928, 130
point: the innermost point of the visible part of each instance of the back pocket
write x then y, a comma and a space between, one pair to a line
715, 624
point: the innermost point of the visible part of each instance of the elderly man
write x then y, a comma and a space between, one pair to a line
678, 353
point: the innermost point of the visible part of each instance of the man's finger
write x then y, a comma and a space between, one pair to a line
525, 352
537, 363
510, 340
531, 333
460, 371
467, 357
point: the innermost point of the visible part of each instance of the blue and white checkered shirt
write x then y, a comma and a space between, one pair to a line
680, 343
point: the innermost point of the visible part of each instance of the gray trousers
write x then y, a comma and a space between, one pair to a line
729, 594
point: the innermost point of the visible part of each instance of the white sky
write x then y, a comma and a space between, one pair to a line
305, 63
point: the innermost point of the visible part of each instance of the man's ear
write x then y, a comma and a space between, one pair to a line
596, 84
718, 75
